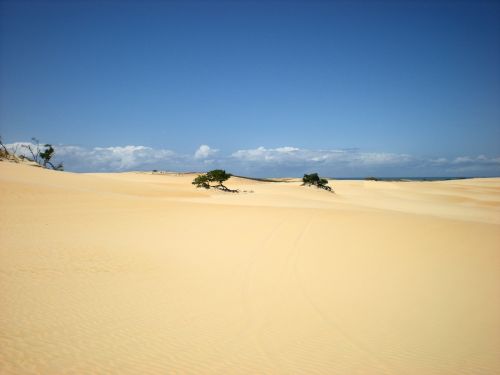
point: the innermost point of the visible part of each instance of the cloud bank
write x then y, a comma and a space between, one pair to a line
290, 155
261, 161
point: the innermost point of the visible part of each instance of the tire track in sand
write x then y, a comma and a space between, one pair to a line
334, 324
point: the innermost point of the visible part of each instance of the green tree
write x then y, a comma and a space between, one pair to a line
215, 176
42, 157
313, 179
310, 179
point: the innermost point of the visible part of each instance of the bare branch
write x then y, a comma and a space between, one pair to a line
3, 146
30, 149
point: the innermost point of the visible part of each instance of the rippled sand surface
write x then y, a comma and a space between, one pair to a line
137, 273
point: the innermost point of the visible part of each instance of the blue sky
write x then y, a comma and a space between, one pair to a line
346, 88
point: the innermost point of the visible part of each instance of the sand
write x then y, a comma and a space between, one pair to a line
136, 273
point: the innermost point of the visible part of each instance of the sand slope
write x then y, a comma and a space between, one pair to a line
144, 274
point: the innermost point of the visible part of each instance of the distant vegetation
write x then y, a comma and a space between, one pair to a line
40, 154
217, 176
314, 180
4, 153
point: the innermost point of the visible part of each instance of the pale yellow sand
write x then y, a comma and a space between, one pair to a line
144, 274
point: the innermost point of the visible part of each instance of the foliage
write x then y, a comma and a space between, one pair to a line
215, 176
313, 179
218, 175
45, 156
201, 181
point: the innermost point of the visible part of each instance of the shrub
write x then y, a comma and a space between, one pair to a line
42, 157
313, 179
217, 175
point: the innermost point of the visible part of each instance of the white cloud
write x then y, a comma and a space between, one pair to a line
439, 160
287, 149
295, 155
462, 159
480, 159
128, 157
204, 152
273, 155
21, 148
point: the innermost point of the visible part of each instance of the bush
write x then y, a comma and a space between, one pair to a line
42, 156
313, 179
217, 176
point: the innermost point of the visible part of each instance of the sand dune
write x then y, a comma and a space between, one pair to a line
136, 273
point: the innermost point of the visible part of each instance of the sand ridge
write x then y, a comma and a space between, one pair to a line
136, 273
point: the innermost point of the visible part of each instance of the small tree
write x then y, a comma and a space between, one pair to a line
216, 175
46, 155
313, 179
42, 157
